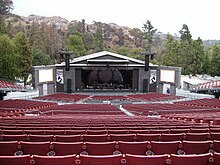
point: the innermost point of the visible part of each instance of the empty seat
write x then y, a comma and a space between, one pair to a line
12, 132
61, 148
215, 136
147, 137
180, 130
96, 138
54, 160
55, 132
101, 160
123, 131
216, 157
172, 137
196, 147
122, 137
101, 148
136, 148
34, 132
216, 145
96, 132
36, 148
159, 148
159, 131
68, 138
12, 160
75, 132
201, 159
196, 136
144, 160
199, 130
41, 138
14, 137
8, 148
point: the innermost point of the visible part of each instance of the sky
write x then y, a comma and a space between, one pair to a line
167, 16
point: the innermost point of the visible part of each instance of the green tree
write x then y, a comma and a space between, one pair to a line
40, 58
9, 67
215, 60
23, 49
99, 40
5, 8
75, 43
148, 34
171, 52
185, 33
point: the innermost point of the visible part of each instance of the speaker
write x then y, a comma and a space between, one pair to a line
68, 86
67, 60
146, 62
145, 86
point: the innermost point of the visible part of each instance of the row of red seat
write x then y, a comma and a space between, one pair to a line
100, 130
63, 97
205, 102
10, 86
128, 159
11, 148
77, 137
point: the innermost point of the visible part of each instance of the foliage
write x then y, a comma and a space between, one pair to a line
99, 41
215, 60
40, 58
75, 43
23, 49
9, 67
148, 33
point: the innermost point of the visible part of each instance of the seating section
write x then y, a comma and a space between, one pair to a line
63, 97
8, 86
163, 130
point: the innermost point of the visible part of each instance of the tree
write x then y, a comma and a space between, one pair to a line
171, 52
99, 40
5, 8
40, 58
75, 43
185, 33
23, 49
215, 60
9, 66
148, 33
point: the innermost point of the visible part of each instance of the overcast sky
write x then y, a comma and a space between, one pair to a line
168, 16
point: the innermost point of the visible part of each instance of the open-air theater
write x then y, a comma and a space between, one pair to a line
108, 109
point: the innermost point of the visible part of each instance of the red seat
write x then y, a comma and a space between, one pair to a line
201, 159
144, 160
41, 138
12, 132
159, 148
215, 136
36, 148
54, 160
196, 147
8, 148
196, 136
101, 160
95, 138
12, 160
136, 148
181, 130
68, 138
55, 132
172, 137
34, 132
123, 131
148, 137
122, 137
101, 148
14, 137
75, 132
61, 148
216, 157
96, 132
216, 144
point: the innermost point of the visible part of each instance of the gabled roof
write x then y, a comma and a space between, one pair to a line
90, 57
